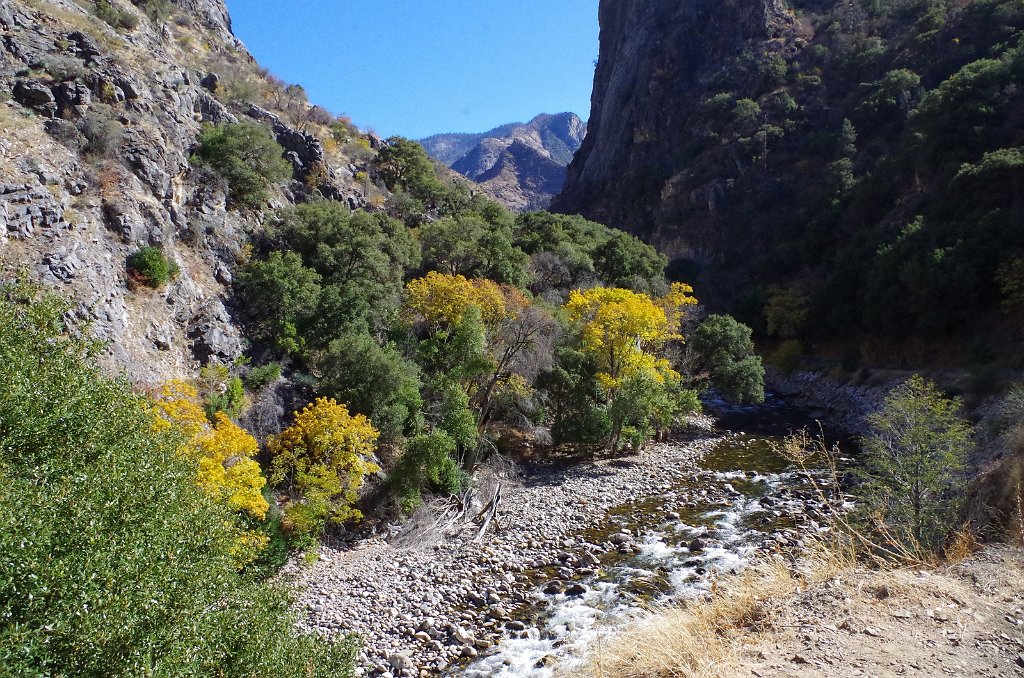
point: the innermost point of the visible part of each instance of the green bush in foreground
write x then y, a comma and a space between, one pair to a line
114, 562
913, 475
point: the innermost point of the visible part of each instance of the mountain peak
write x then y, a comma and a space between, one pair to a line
520, 164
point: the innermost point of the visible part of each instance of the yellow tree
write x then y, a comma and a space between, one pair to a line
441, 300
480, 338
511, 325
323, 459
625, 331
223, 451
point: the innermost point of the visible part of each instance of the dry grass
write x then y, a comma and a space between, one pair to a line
21, 135
996, 497
12, 118
703, 639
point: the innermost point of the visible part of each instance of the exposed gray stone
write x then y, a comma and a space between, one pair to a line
35, 95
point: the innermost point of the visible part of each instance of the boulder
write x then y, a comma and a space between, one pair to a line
35, 95
72, 96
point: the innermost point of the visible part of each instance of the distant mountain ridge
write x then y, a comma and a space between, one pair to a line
522, 165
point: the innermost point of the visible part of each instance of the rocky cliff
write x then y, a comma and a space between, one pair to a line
521, 165
853, 159
657, 60
100, 108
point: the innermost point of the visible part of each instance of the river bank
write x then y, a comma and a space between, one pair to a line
830, 616
574, 548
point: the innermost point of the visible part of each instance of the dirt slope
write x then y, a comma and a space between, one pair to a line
962, 620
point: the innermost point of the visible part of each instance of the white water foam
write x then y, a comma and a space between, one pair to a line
575, 624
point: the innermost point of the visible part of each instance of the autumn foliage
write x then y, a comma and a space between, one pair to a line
625, 330
322, 459
223, 451
441, 300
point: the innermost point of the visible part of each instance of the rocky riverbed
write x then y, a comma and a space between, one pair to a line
574, 550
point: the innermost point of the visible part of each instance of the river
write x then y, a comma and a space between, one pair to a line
577, 550
745, 500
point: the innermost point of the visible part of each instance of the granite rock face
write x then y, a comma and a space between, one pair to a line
520, 165
658, 60
96, 131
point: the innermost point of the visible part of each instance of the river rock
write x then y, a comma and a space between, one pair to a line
575, 589
401, 661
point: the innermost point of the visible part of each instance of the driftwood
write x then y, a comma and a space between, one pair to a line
488, 513
431, 521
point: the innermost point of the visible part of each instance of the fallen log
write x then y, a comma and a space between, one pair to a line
488, 513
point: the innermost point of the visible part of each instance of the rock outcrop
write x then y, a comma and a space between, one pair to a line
520, 165
96, 133
657, 60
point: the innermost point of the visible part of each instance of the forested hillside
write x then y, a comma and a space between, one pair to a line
233, 325
825, 166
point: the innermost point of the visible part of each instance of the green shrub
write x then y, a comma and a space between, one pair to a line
63, 68
246, 156
115, 16
428, 463
148, 266
275, 554
574, 401
158, 11
786, 358
115, 563
230, 401
258, 377
103, 132
643, 407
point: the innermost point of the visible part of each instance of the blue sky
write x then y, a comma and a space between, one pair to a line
418, 67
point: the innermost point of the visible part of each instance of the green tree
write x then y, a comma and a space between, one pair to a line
377, 381
785, 312
626, 261
368, 250
574, 401
913, 463
725, 352
469, 245
115, 561
896, 92
746, 114
246, 156
561, 247
280, 294
403, 165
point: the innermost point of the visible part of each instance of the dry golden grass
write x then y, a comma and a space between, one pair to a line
12, 118
702, 639
996, 497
